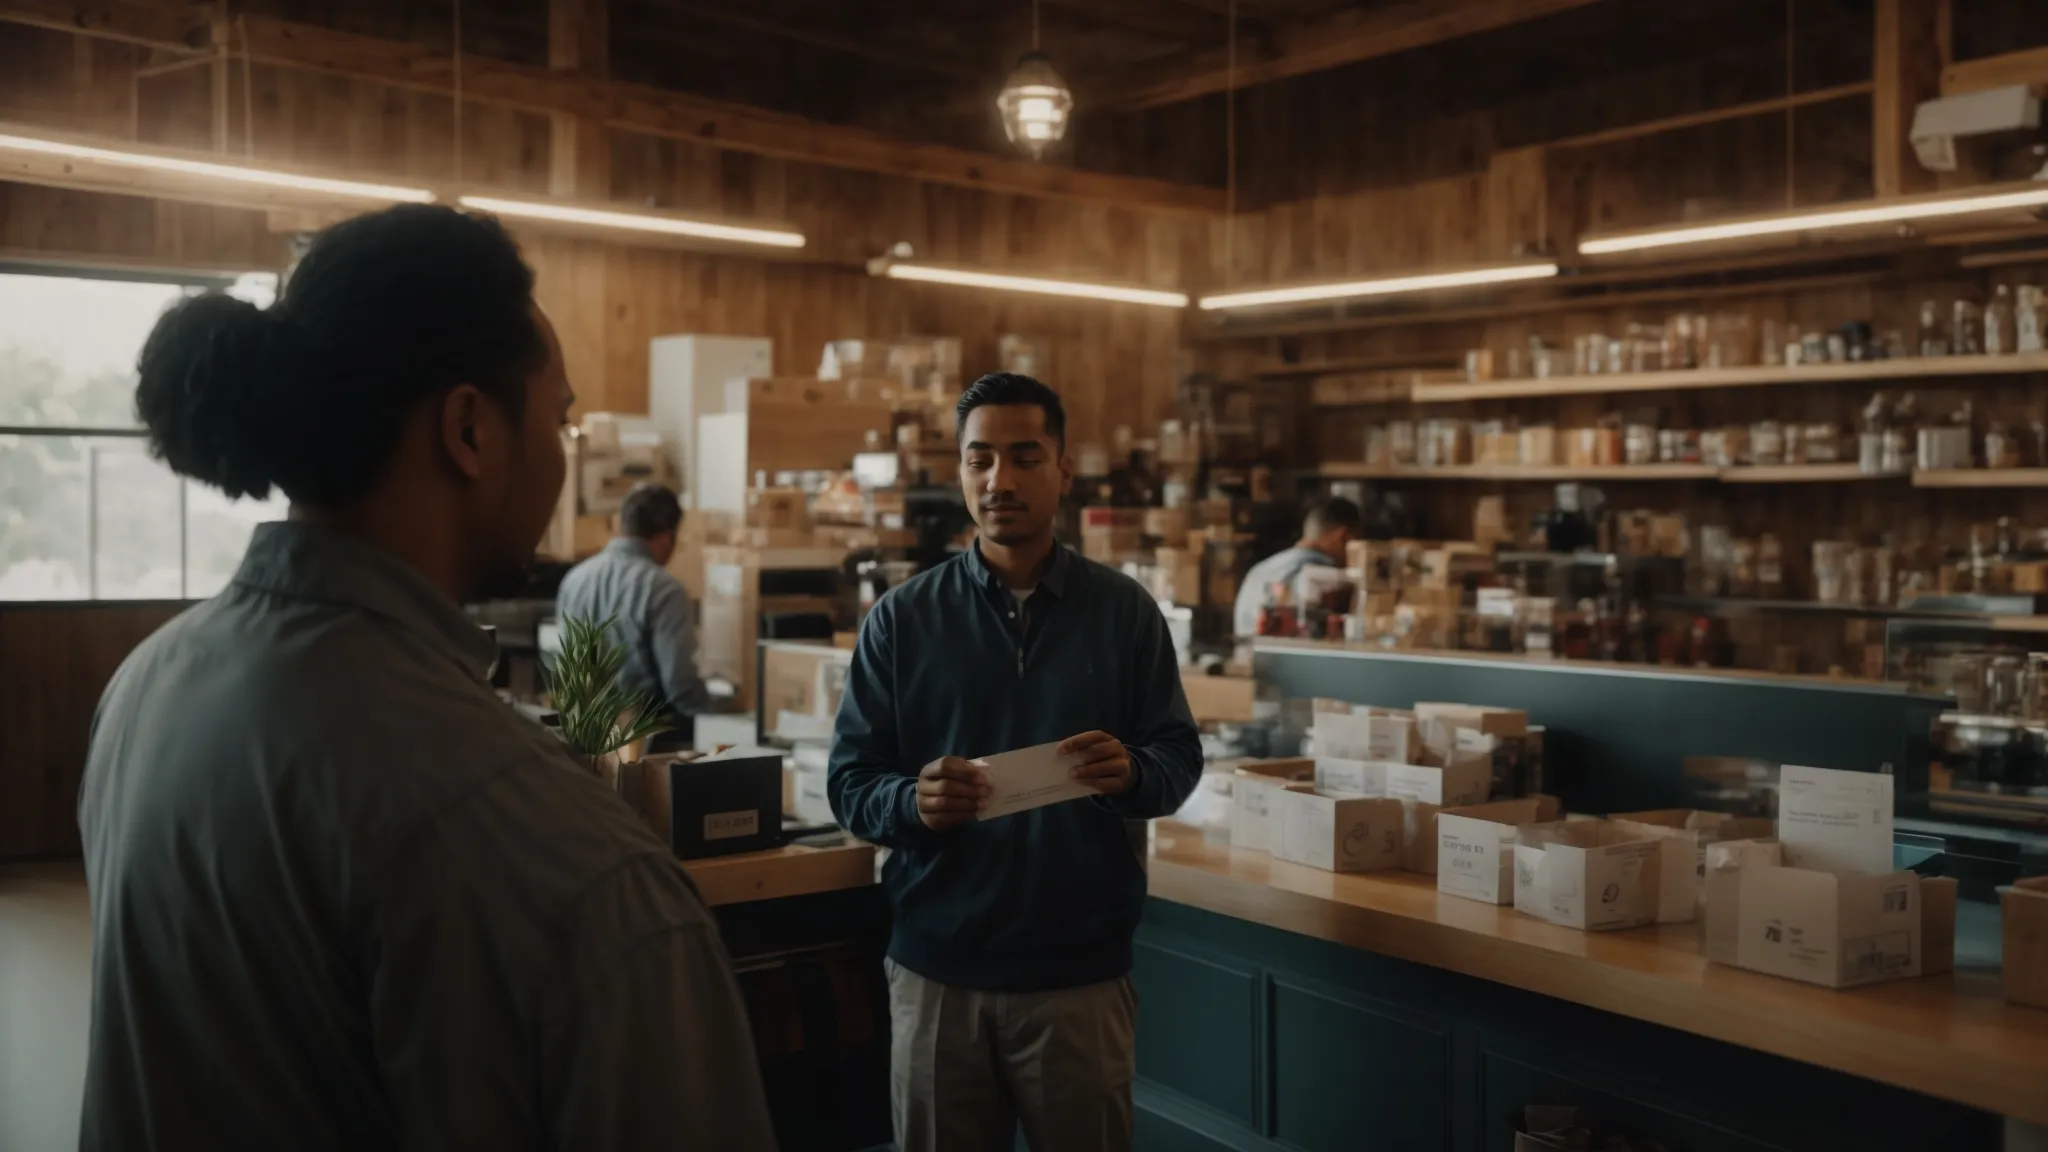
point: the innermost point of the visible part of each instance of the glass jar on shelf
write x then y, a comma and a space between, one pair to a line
1770, 567
1998, 322
1766, 443
1831, 562
1966, 333
1730, 341
1933, 331
1770, 345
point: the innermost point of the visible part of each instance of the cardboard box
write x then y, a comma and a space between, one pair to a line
2025, 908
1339, 776
1220, 699
787, 509
1336, 833
1167, 525
1465, 780
1702, 828
1178, 576
1475, 847
801, 680
1421, 829
1594, 876
727, 803
1478, 717
1367, 734
1251, 798
1834, 930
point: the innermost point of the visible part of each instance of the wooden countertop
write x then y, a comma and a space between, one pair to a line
1951, 1036
1362, 650
794, 870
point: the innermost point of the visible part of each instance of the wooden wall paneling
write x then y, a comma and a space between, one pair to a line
55, 660
1907, 46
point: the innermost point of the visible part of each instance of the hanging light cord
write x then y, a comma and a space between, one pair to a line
458, 90
1791, 112
1034, 24
1230, 146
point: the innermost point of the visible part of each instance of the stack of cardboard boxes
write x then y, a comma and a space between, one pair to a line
1380, 780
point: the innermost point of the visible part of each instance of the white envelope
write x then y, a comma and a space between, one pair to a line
1030, 778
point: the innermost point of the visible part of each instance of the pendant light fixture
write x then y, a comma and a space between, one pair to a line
1035, 102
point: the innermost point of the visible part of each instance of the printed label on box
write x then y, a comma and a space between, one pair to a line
731, 825
1351, 777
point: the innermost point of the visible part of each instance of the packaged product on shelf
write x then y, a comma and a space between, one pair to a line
1933, 333
1537, 446
1966, 335
1998, 322
2027, 325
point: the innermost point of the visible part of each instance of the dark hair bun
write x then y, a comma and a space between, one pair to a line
209, 388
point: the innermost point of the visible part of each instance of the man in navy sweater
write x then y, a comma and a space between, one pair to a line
1010, 958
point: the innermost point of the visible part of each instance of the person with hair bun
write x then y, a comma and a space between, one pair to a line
342, 896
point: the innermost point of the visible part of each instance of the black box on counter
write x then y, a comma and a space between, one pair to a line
731, 802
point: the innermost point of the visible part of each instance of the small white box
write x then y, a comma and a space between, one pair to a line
1341, 777
1464, 780
1475, 858
1251, 798
1422, 830
1336, 833
1593, 875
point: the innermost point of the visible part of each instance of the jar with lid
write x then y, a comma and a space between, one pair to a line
1645, 348
1883, 563
1770, 567
1379, 451
2001, 446
1607, 451
1795, 444
1831, 561
1731, 340
1401, 446
1587, 354
1933, 333
1766, 443
1770, 345
1680, 346
1823, 444
1639, 444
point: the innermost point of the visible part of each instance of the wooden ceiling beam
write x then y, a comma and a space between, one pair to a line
804, 30
645, 109
1176, 22
179, 28
1318, 45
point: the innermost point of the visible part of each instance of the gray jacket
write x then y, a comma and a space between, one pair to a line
343, 897
652, 619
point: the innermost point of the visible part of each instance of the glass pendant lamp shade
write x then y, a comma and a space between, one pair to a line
1035, 104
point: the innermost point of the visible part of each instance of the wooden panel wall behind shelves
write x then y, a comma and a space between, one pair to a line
55, 660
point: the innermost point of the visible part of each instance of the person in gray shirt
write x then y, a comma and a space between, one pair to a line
1325, 531
343, 897
652, 619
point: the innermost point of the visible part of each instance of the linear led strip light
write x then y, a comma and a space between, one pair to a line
209, 170
634, 222
1815, 221
1078, 289
1388, 286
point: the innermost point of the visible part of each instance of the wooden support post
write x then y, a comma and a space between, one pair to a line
1907, 71
578, 44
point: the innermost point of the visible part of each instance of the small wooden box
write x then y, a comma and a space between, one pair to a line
2025, 907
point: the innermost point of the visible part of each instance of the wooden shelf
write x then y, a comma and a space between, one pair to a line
1917, 368
1280, 370
1522, 472
1765, 474
1802, 474
1981, 478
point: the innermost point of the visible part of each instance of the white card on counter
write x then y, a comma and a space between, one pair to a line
1834, 821
1030, 778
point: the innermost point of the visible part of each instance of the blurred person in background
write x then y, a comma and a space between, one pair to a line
1327, 529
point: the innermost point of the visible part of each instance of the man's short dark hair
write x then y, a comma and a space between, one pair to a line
1013, 388
650, 510
1336, 512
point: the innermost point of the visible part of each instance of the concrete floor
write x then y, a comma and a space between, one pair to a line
45, 1003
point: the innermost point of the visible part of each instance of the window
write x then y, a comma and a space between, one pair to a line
85, 512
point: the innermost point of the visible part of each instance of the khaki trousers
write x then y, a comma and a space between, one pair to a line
968, 1067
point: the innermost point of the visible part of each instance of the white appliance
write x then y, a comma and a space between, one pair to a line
686, 378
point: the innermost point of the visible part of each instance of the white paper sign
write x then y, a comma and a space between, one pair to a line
1833, 821
1030, 778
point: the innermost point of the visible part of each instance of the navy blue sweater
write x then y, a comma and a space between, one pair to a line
1043, 899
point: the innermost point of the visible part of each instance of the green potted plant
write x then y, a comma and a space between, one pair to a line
599, 718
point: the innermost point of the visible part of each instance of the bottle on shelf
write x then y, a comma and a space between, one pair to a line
1966, 335
1998, 323
2026, 324
1933, 336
